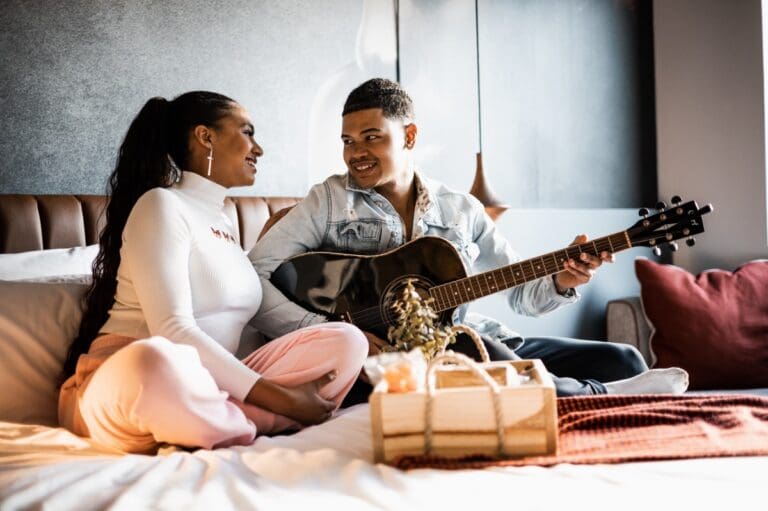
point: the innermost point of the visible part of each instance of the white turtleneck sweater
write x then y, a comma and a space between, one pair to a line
184, 276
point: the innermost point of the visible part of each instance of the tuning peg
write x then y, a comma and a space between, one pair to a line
676, 200
657, 251
643, 212
673, 246
690, 241
706, 208
661, 205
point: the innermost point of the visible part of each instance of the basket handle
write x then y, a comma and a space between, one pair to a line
475, 338
463, 360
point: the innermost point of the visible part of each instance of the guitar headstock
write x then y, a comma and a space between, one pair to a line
681, 220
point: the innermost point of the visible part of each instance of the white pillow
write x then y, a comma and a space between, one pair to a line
47, 263
38, 321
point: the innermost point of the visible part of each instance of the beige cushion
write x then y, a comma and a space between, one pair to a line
626, 323
37, 323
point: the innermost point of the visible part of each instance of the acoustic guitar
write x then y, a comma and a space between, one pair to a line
361, 289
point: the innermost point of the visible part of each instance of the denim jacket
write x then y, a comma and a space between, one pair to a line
338, 216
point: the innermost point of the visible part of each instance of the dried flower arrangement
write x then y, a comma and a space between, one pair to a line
417, 325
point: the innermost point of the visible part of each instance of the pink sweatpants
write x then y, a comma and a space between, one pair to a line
152, 391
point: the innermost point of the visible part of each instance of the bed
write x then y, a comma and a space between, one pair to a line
46, 244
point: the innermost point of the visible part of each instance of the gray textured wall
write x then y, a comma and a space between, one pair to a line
567, 103
565, 117
73, 74
566, 97
438, 68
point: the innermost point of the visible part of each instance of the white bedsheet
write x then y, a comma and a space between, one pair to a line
329, 467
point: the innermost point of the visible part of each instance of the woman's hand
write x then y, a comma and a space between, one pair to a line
302, 403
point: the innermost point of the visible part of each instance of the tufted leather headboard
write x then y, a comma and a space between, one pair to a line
35, 222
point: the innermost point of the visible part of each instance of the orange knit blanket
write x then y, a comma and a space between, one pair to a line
616, 429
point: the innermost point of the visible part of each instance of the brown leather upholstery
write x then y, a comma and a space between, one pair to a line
35, 222
272, 220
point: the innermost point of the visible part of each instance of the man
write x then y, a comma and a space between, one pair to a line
383, 202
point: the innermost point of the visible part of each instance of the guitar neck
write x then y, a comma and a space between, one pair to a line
452, 294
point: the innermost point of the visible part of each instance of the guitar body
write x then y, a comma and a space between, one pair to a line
360, 289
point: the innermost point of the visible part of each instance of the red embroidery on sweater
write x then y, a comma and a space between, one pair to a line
223, 235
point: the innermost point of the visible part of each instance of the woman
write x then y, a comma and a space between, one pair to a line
153, 360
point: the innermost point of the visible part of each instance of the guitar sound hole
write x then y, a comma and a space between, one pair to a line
394, 293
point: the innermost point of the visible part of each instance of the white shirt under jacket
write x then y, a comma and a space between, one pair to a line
184, 276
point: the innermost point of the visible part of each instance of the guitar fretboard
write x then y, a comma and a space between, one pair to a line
453, 294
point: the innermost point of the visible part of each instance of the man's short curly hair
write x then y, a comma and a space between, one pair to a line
394, 102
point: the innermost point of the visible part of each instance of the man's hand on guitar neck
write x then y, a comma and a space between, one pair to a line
575, 273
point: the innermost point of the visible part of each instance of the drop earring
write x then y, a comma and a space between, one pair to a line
210, 160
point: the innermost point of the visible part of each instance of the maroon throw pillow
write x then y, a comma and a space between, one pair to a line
714, 325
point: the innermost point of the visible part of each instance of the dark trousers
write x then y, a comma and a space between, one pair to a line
578, 367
